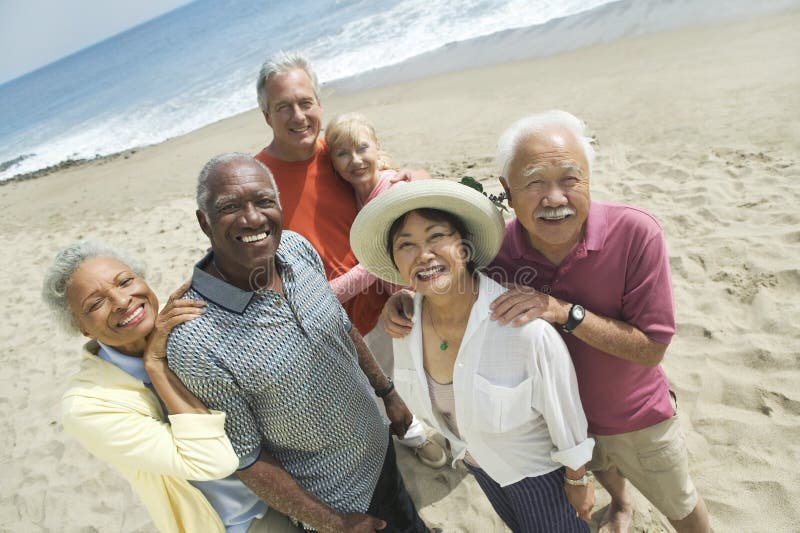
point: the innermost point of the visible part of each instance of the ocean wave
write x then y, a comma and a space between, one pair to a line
159, 81
139, 98
414, 27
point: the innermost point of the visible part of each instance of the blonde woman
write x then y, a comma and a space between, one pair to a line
358, 159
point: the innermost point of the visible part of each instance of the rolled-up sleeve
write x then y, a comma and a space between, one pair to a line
555, 395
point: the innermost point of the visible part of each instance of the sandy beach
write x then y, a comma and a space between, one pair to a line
699, 126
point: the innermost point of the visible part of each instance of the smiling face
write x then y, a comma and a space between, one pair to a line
244, 221
548, 186
430, 254
357, 160
112, 304
295, 115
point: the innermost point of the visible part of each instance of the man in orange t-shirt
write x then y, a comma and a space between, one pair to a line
321, 207
318, 204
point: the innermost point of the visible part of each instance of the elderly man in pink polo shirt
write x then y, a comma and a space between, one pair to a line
599, 272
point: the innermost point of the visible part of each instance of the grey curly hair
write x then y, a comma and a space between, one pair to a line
59, 274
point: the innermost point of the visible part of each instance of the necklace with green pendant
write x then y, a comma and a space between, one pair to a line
443, 345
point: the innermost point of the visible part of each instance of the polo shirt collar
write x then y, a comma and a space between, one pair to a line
519, 242
223, 293
127, 363
596, 226
593, 239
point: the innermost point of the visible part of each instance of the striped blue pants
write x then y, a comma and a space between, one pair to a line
532, 505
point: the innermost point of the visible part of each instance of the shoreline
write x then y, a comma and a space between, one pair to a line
72, 163
604, 24
697, 126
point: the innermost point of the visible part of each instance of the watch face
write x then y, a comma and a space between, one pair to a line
578, 312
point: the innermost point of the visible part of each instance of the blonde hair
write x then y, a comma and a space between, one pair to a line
347, 129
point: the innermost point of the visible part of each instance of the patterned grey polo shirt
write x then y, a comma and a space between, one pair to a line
286, 373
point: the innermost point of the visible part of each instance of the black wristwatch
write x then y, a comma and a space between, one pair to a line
576, 315
387, 390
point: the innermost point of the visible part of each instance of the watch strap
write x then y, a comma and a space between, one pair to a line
387, 390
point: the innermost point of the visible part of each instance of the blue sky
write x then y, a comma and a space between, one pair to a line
34, 33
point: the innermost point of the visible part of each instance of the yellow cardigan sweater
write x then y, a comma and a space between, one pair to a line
120, 421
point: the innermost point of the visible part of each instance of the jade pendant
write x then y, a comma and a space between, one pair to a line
443, 346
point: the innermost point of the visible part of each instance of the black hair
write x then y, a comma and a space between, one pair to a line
434, 215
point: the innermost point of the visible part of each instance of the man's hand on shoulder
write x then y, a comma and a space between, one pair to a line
520, 305
397, 312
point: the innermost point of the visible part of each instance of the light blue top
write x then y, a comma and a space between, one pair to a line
236, 505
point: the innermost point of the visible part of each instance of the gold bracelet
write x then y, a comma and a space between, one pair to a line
583, 481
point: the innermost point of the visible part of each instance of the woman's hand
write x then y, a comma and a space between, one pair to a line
580, 497
407, 174
176, 397
176, 311
582, 500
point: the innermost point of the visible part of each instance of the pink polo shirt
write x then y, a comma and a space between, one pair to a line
619, 270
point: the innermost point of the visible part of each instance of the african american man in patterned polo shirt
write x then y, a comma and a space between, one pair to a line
276, 352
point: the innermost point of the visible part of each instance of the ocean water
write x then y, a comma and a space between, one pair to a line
198, 64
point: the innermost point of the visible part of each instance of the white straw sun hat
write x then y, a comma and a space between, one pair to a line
370, 230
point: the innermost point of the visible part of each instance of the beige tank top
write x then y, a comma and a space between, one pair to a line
443, 401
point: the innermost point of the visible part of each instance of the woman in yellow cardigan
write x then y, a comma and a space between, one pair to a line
115, 406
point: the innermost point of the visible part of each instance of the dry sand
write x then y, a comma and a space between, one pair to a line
698, 126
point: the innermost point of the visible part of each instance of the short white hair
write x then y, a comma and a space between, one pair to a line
525, 127
281, 63
59, 275
210, 169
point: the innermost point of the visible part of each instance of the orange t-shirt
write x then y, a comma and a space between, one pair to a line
321, 207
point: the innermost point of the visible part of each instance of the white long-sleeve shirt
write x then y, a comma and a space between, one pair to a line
516, 394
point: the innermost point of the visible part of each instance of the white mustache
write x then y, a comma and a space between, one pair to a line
554, 212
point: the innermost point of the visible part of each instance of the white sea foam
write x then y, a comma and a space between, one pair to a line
123, 94
414, 27
351, 37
